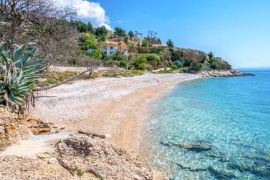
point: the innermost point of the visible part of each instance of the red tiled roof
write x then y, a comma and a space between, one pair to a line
120, 45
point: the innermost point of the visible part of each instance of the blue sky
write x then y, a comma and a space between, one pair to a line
237, 30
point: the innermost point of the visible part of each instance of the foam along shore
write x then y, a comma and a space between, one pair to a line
224, 73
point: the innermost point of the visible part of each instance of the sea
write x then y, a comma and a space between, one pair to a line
214, 128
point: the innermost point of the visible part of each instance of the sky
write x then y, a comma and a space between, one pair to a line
236, 30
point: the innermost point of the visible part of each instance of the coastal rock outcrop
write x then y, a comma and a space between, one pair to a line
14, 127
225, 73
103, 160
80, 156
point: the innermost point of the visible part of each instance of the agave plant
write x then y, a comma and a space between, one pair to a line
18, 74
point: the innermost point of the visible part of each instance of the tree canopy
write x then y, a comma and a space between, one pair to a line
170, 43
119, 32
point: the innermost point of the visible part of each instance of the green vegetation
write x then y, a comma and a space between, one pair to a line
170, 43
18, 75
147, 61
64, 42
42, 25
79, 172
166, 71
119, 32
145, 53
195, 66
88, 41
121, 73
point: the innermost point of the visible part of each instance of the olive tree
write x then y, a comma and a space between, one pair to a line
38, 23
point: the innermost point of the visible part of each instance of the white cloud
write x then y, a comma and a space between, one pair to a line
87, 11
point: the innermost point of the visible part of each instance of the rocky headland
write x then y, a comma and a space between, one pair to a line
224, 73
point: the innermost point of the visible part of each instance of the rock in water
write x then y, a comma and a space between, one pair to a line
198, 146
224, 73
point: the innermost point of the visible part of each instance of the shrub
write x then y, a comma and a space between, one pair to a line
147, 61
145, 43
206, 66
139, 60
143, 66
179, 64
18, 75
195, 66
153, 60
185, 70
88, 41
96, 53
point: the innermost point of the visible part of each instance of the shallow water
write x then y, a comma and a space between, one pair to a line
217, 128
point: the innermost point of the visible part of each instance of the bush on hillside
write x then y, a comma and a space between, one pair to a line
88, 41
147, 61
144, 67
96, 53
195, 66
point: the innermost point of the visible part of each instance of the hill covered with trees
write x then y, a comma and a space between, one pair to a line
144, 52
37, 34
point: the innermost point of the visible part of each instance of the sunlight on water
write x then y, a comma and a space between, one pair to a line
214, 129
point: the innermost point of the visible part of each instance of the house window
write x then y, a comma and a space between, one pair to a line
111, 47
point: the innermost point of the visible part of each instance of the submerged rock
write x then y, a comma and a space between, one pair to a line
218, 174
221, 174
220, 156
198, 146
260, 170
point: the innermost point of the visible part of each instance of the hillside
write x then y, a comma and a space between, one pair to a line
132, 50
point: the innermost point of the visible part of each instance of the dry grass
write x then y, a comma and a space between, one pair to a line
54, 77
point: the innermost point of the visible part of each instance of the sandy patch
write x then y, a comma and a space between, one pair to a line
116, 107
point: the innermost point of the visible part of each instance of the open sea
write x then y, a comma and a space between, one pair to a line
216, 128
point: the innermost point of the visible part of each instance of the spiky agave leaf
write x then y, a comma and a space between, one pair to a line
23, 55
4, 56
20, 76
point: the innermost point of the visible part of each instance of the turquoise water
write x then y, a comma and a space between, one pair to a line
216, 128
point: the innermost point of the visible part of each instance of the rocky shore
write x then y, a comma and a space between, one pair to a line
115, 109
14, 128
227, 73
77, 157
32, 149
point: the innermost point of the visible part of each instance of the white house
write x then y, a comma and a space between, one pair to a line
111, 48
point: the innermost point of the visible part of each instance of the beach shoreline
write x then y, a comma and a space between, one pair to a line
116, 107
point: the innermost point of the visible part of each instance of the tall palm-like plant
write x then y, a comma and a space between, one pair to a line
18, 74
